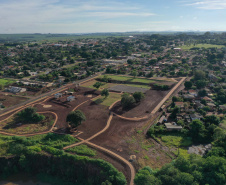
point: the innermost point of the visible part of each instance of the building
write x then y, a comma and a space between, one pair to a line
172, 127
195, 116
15, 90
58, 95
162, 119
70, 98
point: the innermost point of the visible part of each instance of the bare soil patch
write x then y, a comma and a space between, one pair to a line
8, 99
144, 108
13, 126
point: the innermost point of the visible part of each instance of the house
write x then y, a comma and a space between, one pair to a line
179, 117
195, 116
223, 107
58, 95
212, 106
198, 105
187, 119
188, 96
193, 92
162, 119
179, 104
172, 127
207, 99
15, 90
70, 98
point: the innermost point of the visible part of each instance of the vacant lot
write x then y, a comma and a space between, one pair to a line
13, 126
9, 99
6, 82
187, 47
113, 97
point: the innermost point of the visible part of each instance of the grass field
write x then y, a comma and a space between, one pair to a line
108, 85
187, 47
129, 79
113, 97
6, 82
82, 150
176, 139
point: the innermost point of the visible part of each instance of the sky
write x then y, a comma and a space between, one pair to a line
91, 16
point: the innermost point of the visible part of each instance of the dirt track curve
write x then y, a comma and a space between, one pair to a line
87, 141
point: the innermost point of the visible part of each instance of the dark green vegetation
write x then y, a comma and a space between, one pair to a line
128, 100
44, 155
105, 93
75, 118
192, 171
29, 115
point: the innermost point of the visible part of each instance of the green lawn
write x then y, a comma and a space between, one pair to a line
108, 85
82, 150
6, 82
113, 97
176, 139
130, 79
187, 47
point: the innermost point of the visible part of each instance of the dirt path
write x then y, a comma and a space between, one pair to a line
86, 141
132, 170
39, 133
168, 95
92, 137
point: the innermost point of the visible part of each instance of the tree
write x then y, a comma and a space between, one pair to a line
130, 61
29, 115
75, 118
138, 96
202, 93
201, 84
212, 120
199, 75
134, 73
188, 84
97, 85
105, 93
197, 130
127, 101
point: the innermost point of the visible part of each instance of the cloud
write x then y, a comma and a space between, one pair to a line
209, 4
27, 15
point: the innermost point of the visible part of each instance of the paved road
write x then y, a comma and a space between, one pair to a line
44, 95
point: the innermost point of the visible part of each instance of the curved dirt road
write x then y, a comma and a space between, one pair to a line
132, 170
92, 137
39, 133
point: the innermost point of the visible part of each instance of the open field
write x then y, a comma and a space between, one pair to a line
176, 139
113, 97
108, 85
129, 79
6, 82
12, 126
9, 99
187, 47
